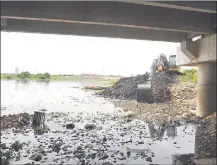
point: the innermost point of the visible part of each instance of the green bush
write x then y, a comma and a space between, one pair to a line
40, 76
190, 75
47, 75
24, 75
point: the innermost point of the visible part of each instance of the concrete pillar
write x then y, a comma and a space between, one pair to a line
206, 89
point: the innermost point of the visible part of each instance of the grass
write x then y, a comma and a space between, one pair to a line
190, 75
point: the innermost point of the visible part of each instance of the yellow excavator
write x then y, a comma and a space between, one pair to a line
144, 92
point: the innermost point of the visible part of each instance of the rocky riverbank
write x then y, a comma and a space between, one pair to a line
106, 138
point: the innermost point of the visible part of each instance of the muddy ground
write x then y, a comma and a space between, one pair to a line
122, 137
88, 139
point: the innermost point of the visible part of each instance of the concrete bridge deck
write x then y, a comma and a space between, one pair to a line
162, 21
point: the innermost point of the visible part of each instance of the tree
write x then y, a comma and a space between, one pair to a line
24, 75
47, 75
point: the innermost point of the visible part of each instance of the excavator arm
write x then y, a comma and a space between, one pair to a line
145, 92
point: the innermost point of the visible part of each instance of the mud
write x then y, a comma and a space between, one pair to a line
114, 139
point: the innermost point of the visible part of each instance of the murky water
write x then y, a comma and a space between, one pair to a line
115, 139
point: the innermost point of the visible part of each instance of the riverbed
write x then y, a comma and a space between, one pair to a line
114, 139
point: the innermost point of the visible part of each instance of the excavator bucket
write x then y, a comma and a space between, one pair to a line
144, 93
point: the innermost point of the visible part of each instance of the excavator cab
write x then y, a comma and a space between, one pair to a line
172, 62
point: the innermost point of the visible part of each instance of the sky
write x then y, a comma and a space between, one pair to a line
61, 54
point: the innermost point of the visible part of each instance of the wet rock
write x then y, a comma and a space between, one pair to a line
128, 153
36, 157
106, 163
149, 159
104, 157
17, 146
57, 146
104, 139
3, 146
90, 126
70, 126
92, 155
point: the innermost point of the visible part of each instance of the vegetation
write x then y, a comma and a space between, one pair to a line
24, 75
97, 80
190, 75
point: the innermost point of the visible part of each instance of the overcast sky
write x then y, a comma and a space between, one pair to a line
59, 54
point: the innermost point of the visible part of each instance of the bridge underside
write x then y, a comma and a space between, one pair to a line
162, 21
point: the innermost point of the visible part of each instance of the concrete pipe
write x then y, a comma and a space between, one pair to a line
144, 93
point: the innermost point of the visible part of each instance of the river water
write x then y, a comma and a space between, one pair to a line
114, 140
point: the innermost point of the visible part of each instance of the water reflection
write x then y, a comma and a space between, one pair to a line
45, 83
158, 130
171, 131
17, 82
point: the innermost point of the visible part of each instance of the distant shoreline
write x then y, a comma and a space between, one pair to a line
107, 81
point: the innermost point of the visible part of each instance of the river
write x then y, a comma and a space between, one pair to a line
114, 140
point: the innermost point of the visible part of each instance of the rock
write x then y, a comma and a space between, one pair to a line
104, 139
129, 114
89, 126
104, 157
93, 155
57, 146
3, 146
70, 126
128, 153
36, 157
106, 163
17, 146
149, 159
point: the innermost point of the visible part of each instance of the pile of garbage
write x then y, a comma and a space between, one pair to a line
15, 121
184, 95
125, 88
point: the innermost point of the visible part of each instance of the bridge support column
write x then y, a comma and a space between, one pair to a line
201, 53
206, 89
